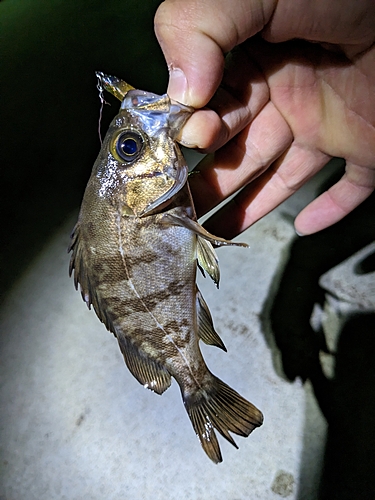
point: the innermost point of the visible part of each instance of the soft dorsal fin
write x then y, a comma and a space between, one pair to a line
207, 260
206, 330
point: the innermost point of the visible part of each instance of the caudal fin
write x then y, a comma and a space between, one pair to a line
223, 409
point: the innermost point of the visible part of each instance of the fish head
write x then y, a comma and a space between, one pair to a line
140, 165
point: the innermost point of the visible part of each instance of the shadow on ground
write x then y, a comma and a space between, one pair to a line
346, 400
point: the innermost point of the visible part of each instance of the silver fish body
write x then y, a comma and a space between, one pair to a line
135, 250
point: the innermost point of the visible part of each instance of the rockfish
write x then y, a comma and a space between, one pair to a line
135, 251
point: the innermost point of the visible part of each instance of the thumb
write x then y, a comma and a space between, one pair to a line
194, 37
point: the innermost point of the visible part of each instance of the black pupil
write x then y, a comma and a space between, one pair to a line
129, 146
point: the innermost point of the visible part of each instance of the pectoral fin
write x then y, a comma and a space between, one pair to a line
206, 329
147, 371
185, 221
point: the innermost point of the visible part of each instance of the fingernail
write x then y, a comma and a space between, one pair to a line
299, 234
177, 87
188, 136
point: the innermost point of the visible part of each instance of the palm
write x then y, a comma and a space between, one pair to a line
306, 106
324, 99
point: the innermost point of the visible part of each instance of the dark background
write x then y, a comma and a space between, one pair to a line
49, 52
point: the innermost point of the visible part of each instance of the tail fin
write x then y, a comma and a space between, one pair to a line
220, 407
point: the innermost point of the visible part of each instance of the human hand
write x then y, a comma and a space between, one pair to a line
283, 108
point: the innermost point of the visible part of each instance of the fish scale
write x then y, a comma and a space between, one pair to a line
135, 252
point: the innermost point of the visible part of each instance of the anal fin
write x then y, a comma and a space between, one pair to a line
222, 408
147, 371
206, 330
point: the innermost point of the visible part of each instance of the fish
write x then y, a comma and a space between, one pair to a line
136, 248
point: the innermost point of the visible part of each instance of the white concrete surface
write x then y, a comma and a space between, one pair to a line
76, 425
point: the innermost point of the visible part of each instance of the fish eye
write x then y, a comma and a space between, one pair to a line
129, 146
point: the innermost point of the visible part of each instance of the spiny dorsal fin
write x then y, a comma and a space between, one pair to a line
82, 279
148, 372
206, 329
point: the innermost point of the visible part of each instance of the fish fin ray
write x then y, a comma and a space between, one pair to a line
77, 266
222, 408
82, 279
206, 330
185, 221
147, 371
207, 259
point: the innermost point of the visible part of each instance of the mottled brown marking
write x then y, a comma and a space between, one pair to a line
172, 326
142, 338
109, 270
115, 307
178, 341
176, 287
175, 326
151, 300
147, 257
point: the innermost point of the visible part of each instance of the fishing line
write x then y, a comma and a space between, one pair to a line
102, 102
